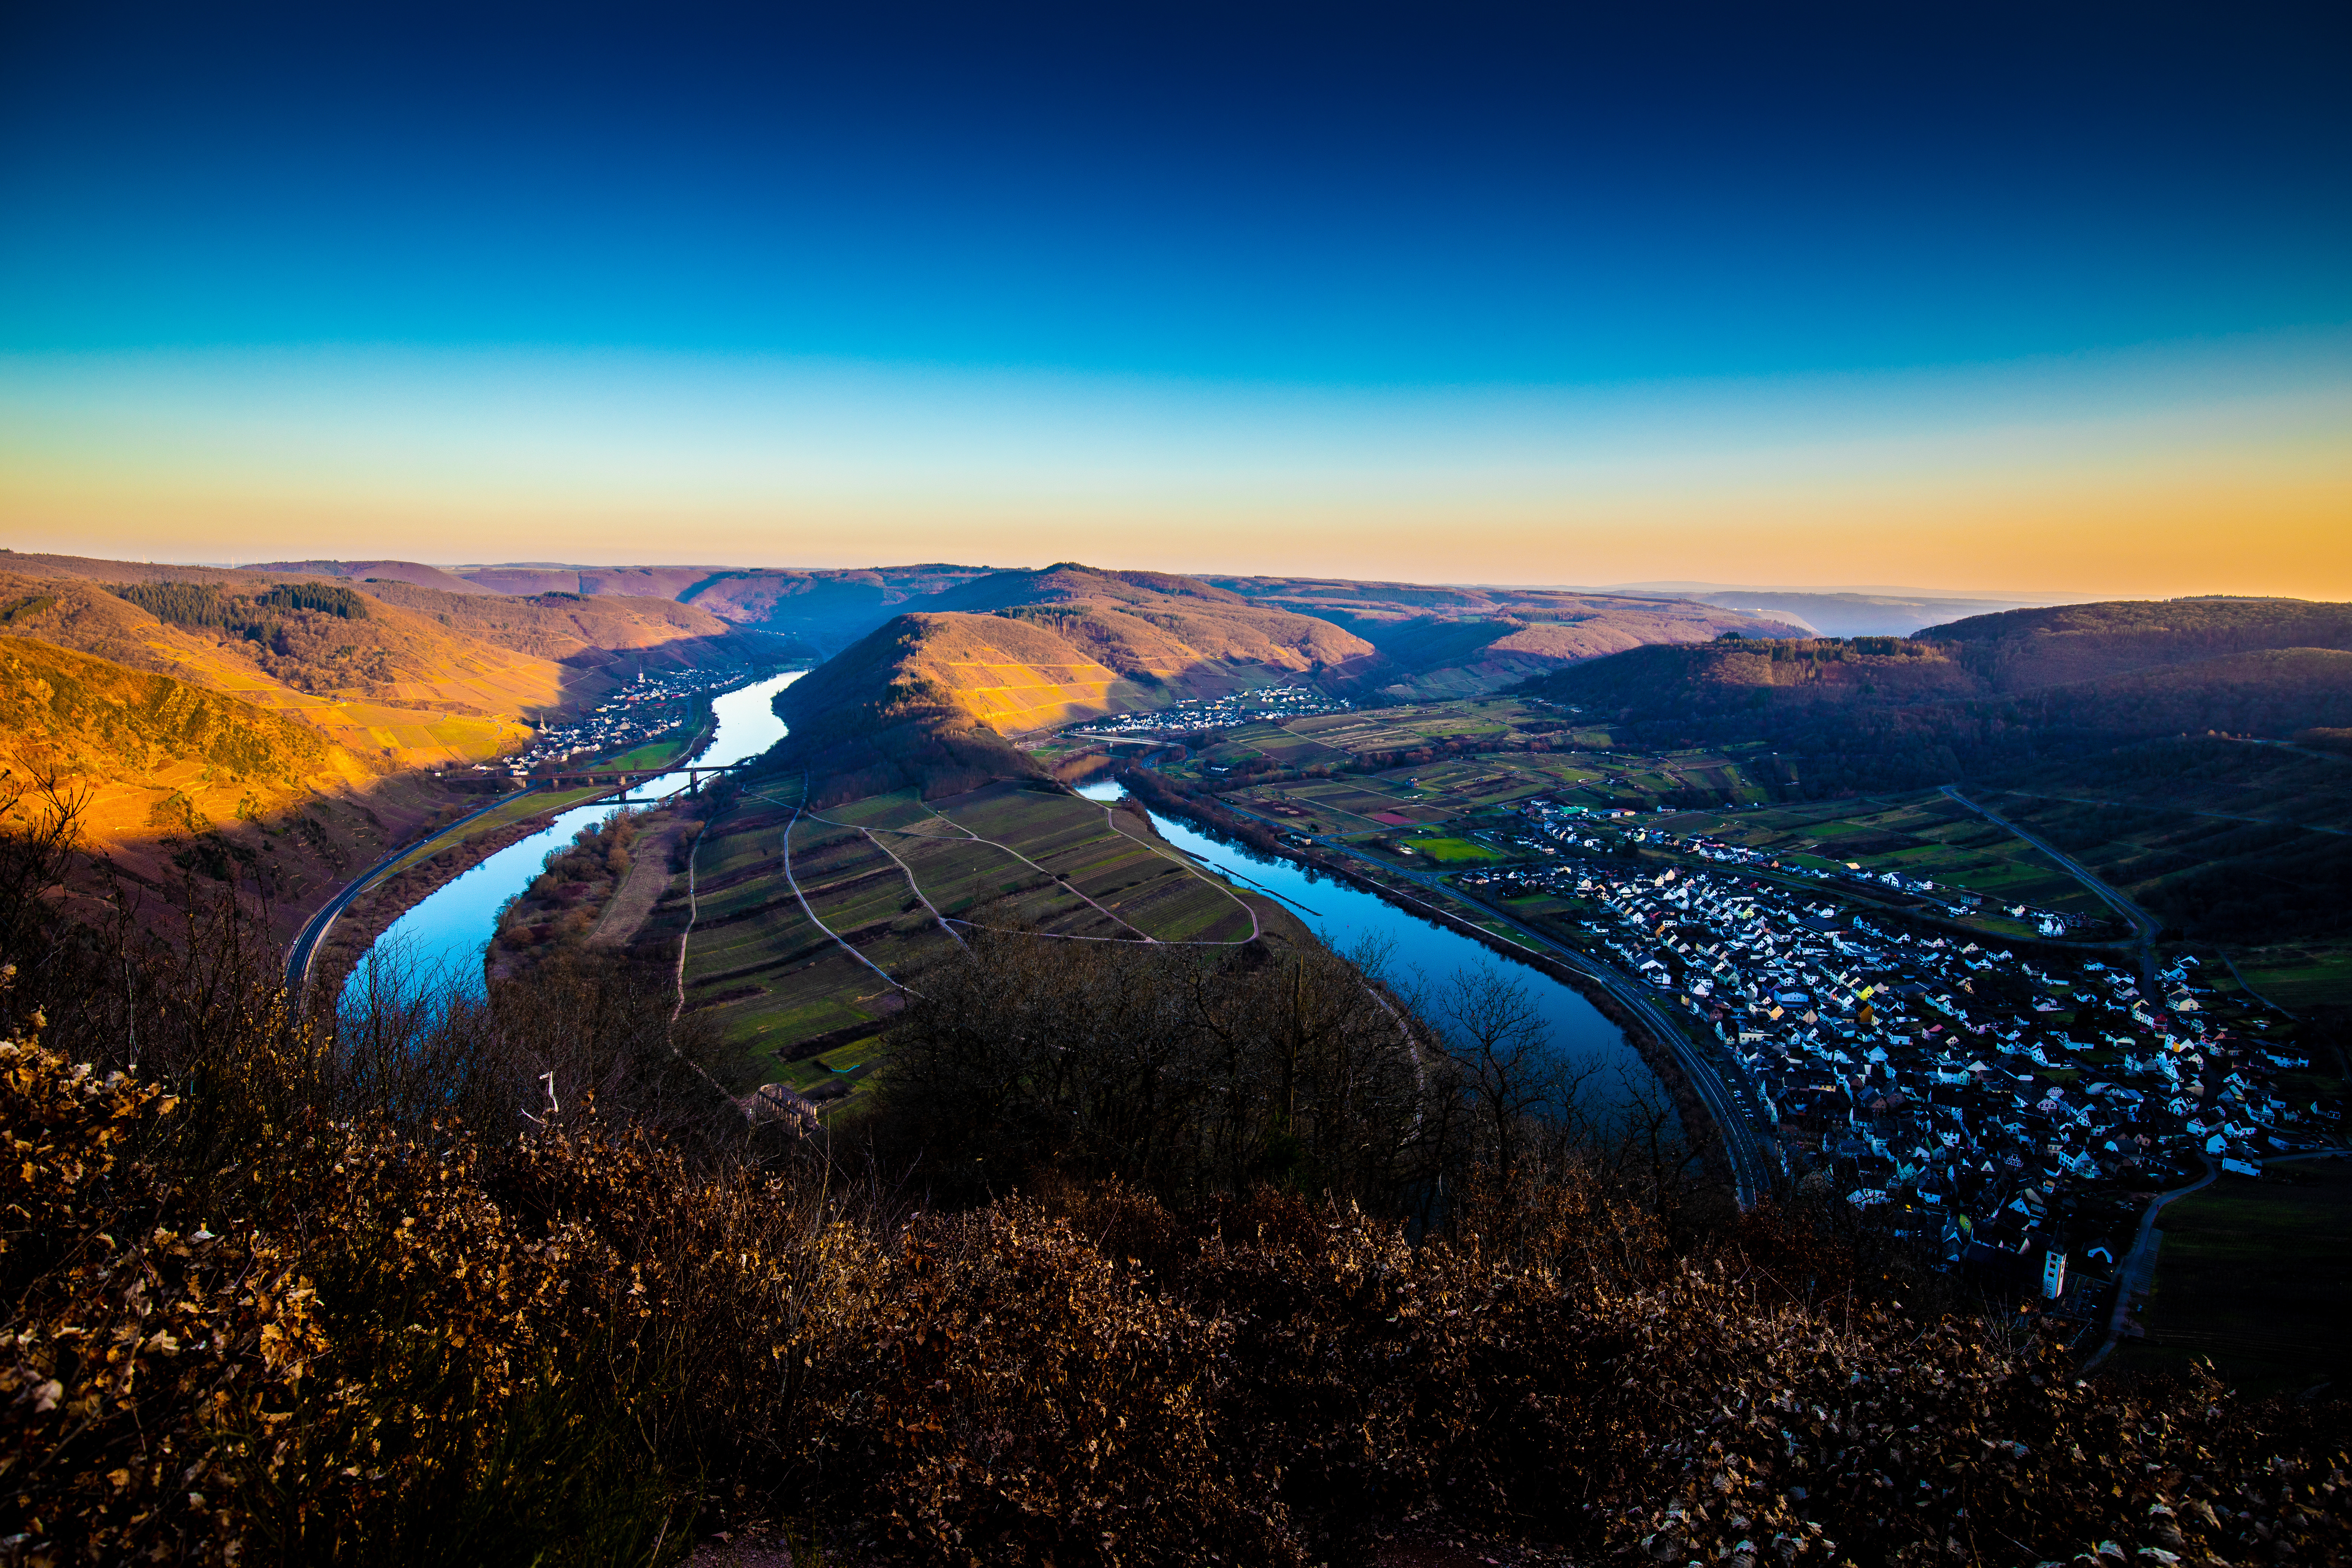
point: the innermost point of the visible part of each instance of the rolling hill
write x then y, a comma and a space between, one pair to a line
929, 697
174, 777
282, 722
394, 688
2023, 650
1454, 641
91, 720
413, 571
1852, 614
1433, 641
1988, 692
824, 610
414, 676
592, 632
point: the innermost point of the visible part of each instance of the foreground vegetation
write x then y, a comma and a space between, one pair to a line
1137, 1258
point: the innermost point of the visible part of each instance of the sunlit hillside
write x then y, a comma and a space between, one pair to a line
161, 766
391, 689
414, 677
926, 697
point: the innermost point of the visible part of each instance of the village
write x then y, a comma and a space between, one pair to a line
2015, 1112
649, 709
1557, 820
1269, 704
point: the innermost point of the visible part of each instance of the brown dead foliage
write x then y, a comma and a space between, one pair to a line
269, 1300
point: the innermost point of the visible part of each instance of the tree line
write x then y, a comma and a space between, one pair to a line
1136, 1258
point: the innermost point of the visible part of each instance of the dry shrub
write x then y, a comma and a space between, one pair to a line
337, 1369
1026, 1398
367, 1345
263, 1307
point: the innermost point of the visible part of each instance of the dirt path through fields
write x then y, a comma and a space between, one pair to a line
649, 878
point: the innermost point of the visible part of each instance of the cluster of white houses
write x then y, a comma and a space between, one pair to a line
646, 709
1561, 822
2010, 1108
1267, 704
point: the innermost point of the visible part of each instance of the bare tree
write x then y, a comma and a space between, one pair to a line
1502, 1048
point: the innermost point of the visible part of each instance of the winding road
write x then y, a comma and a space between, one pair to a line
305, 951
2142, 923
2139, 1270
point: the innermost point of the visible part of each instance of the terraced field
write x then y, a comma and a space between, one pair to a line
808, 930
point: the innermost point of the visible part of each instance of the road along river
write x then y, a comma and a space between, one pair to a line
448, 930
1421, 952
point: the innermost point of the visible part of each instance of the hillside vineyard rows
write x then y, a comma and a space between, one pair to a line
891, 1153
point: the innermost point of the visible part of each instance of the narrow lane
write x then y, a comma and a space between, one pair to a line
2141, 921
2139, 1270
305, 951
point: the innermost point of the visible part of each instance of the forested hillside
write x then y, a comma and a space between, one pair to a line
2023, 650
306, 715
1460, 641
91, 718
172, 778
593, 632
2001, 690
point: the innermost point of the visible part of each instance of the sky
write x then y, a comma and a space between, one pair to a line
2033, 300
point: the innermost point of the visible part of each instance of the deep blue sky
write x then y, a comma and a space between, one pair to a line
1426, 195
2040, 297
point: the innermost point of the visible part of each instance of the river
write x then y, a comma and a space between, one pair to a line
446, 934
1423, 955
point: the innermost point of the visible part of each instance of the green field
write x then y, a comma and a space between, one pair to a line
2254, 1274
1449, 851
1925, 835
2308, 975
793, 996
651, 754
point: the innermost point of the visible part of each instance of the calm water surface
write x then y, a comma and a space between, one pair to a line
448, 931
1423, 952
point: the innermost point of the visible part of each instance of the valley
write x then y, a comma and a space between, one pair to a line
280, 734
1944, 942
1675, 829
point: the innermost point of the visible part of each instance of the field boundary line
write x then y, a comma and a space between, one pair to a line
794, 882
1111, 819
915, 885
991, 844
679, 1011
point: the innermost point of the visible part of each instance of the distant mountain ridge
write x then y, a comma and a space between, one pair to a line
1433, 641
826, 609
1464, 641
1855, 614
1989, 689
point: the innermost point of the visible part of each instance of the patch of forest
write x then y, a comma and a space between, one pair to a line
1135, 1257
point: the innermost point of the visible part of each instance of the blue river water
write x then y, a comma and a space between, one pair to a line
1422, 956
444, 934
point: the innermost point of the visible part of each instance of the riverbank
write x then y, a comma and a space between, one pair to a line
1660, 1056
445, 916
375, 911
